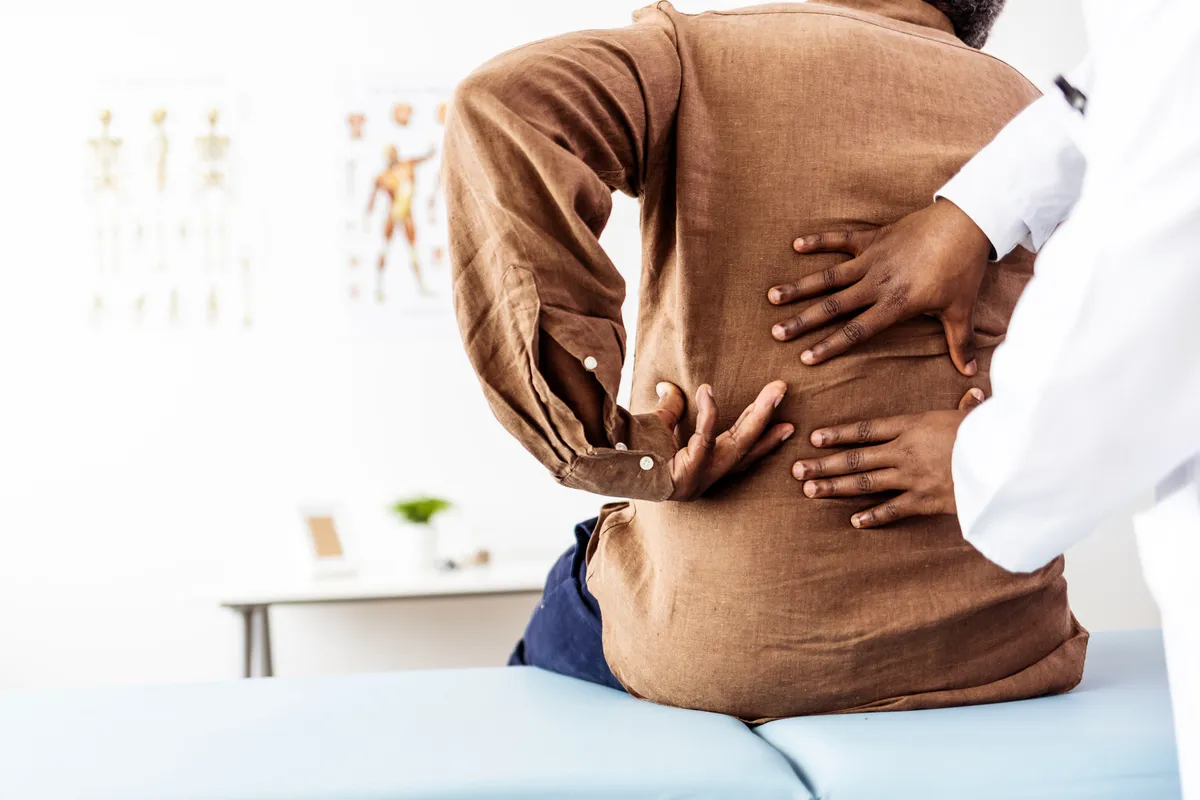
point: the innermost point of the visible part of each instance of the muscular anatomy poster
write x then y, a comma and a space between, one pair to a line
393, 221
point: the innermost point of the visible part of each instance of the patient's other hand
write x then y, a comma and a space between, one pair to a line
930, 262
913, 458
707, 457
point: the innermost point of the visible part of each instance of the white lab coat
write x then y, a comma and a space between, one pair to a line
1096, 391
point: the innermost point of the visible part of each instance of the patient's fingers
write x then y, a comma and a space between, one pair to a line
777, 435
842, 463
708, 458
852, 242
701, 444
736, 443
865, 432
875, 319
852, 485
691, 464
822, 313
826, 280
671, 404
902, 507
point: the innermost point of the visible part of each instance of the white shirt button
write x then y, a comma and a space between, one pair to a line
589, 363
647, 462
621, 446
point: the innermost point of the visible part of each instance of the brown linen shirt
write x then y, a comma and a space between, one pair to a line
738, 131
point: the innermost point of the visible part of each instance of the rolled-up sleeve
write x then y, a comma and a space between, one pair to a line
1020, 187
536, 142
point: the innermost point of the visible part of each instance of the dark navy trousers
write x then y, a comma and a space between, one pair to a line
563, 635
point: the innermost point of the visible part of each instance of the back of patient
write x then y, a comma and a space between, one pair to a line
769, 123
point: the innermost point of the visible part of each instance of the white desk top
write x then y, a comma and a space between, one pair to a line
503, 578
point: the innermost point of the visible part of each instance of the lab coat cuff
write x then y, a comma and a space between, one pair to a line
979, 200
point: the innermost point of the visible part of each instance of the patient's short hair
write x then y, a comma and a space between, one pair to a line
973, 19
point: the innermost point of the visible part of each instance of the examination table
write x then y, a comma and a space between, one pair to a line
523, 733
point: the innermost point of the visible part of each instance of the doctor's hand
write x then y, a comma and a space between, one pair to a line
911, 456
708, 457
931, 262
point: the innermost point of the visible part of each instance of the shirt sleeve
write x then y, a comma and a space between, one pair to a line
1022, 185
536, 142
1096, 386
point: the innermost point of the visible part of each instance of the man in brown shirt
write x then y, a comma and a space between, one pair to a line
737, 131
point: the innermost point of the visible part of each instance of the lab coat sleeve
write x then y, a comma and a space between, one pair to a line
1022, 185
1096, 391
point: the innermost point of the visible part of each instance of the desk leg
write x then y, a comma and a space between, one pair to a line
247, 640
268, 667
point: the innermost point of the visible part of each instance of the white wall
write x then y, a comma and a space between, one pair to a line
139, 473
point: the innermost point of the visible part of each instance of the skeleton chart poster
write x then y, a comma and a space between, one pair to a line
393, 223
173, 237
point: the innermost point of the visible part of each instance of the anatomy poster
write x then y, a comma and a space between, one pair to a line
171, 239
393, 223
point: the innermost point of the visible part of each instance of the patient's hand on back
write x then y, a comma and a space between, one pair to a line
930, 262
707, 457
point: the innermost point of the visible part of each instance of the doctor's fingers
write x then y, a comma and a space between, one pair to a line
898, 508
883, 480
959, 327
972, 400
865, 432
852, 242
844, 463
874, 320
817, 283
823, 312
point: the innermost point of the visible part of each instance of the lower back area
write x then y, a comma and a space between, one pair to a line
717, 606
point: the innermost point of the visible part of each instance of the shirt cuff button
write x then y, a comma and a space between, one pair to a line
647, 462
622, 446
589, 363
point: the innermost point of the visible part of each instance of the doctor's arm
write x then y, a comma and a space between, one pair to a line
537, 140
1015, 191
1096, 386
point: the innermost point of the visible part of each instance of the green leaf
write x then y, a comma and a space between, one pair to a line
420, 510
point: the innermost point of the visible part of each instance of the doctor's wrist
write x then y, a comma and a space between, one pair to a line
971, 240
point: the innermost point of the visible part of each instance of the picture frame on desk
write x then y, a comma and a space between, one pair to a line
328, 545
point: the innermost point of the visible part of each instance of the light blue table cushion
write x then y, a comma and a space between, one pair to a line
1109, 738
485, 733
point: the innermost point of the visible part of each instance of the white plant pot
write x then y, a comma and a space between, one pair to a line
426, 541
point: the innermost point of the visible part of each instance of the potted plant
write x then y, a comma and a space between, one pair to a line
420, 513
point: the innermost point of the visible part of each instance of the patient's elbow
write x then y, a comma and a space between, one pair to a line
487, 92
473, 95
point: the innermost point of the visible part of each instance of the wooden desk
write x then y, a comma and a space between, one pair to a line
499, 579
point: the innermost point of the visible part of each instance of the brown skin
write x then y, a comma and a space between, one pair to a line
930, 262
910, 456
708, 457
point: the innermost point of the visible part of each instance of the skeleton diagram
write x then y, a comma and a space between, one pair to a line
398, 181
159, 148
213, 150
106, 152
